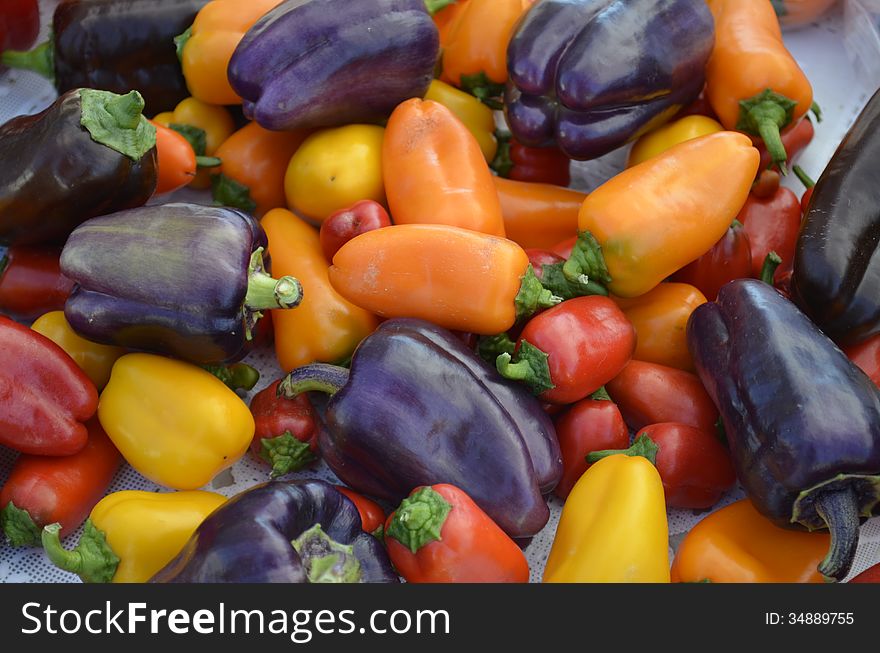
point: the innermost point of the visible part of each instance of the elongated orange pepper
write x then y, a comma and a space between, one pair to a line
654, 218
329, 327
752, 81
457, 278
254, 162
739, 545
660, 318
434, 171
538, 215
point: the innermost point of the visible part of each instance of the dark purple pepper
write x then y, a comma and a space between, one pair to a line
320, 63
282, 532
802, 421
184, 280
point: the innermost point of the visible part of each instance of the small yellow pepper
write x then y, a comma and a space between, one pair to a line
613, 527
475, 115
130, 535
94, 359
175, 423
661, 139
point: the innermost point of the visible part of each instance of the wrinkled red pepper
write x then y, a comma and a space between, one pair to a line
730, 258
31, 283
285, 434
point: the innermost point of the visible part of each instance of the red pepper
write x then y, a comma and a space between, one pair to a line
564, 247
766, 184
809, 184
794, 140
19, 24
870, 575
541, 165
541, 257
439, 535
31, 283
285, 434
699, 107
572, 349
866, 355
343, 225
372, 515
589, 425
772, 225
43, 490
45, 398
730, 258
693, 464
647, 393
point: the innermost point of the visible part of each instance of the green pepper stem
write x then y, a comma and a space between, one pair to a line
532, 295
317, 377
484, 89
117, 121
180, 42
502, 163
286, 454
266, 292
419, 519
18, 526
839, 508
40, 60
601, 395
803, 177
768, 269
816, 111
433, 6
225, 191
643, 446
531, 367
325, 560
92, 560
208, 161
764, 115
586, 262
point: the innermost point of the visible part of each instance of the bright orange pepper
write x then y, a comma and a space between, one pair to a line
748, 61
538, 215
434, 171
739, 545
457, 278
328, 328
175, 159
654, 218
214, 35
660, 319
256, 159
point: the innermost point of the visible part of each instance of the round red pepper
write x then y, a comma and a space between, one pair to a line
343, 225
564, 248
19, 24
31, 283
772, 225
730, 258
372, 515
285, 434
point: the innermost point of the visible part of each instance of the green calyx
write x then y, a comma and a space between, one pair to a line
225, 191
532, 295
601, 395
286, 454
180, 42
40, 60
239, 376
768, 269
531, 367
18, 526
266, 292
317, 377
764, 115
117, 121
490, 347
502, 163
484, 89
92, 560
643, 446
326, 560
419, 519
586, 263
433, 6
553, 279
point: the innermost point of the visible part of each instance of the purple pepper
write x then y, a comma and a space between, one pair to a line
321, 63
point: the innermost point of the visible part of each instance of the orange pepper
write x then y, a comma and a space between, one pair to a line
654, 218
538, 215
660, 318
254, 162
751, 65
208, 46
328, 327
175, 160
446, 19
457, 278
434, 170
739, 545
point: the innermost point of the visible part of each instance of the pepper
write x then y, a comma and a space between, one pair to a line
180, 279
19, 24
345, 224
42, 490
89, 153
324, 63
439, 535
47, 398
752, 81
794, 139
325, 327
661, 139
730, 258
737, 544
538, 215
298, 532
772, 225
130, 535
802, 421
419, 407
114, 45
836, 276
285, 431
562, 89
475, 115
613, 527
866, 354
201, 429
176, 160
31, 282
435, 172
457, 278
372, 514
547, 165
871, 575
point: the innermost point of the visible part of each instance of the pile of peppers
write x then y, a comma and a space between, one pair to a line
462, 339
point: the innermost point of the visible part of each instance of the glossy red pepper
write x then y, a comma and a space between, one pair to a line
564, 247
43, 490
794, 140
19, 24
591, 424
544, 165
571, 350
31, 282
372, 515
870, 575
45, 398
343, 225
866, 355
693, 464
647, 393
730, 258
286, 431
772, 225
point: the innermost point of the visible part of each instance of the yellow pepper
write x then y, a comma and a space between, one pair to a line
94, 359
333, 169
613, 527
175, 423
130, 535
661, 139
475, 115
